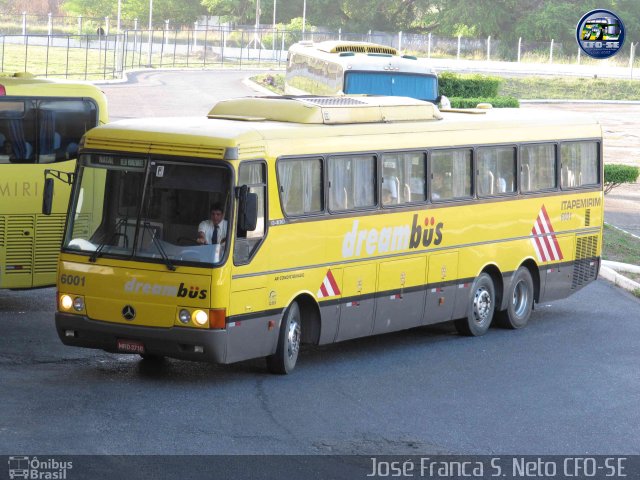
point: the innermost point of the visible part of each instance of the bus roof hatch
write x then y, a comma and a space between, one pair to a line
327, 110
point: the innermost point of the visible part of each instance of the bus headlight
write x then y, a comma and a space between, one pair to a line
66, 302
200, 317
78, 304
184, 316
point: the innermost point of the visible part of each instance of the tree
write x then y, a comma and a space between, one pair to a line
237, 11
615, 175
178, 11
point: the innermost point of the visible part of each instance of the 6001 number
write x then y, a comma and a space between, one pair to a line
75, 280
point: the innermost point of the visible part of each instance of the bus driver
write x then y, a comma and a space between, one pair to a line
213, 231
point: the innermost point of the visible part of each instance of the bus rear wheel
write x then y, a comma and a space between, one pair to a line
482, 302
284, 360
520, 295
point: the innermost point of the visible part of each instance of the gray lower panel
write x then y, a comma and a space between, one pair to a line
356, 319
441, 304
557, 282
330, 315
397, 312
252, 338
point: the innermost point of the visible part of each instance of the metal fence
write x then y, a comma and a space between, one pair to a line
106, 55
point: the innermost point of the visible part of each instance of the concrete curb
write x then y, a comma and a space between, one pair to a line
621, 267
608, 272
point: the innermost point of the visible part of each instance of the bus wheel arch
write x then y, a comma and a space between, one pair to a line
498, 283
310, 313
300, 324
534, 270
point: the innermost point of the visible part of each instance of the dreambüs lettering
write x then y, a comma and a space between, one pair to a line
391, 239
135, 286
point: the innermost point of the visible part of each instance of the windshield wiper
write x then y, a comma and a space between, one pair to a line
94, 256
156, 242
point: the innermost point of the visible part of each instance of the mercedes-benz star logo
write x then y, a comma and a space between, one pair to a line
128, 312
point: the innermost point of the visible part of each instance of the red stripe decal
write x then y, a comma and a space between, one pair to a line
546, 219
333, 283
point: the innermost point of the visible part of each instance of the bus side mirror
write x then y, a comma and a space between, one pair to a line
247, 209
47, 197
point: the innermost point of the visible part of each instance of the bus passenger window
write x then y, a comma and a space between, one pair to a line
496, 170
300, 185
538, 164
450, 174
352, 181
580, 164
403, 178
5, 149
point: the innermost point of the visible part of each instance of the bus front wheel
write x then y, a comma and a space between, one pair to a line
520, 297
482, 302
284, 360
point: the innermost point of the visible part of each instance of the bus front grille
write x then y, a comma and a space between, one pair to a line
585, 267
48, 239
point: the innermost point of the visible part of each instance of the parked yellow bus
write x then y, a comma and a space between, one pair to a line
343, 217
339, 67
41, 124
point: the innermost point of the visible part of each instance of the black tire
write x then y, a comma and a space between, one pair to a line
482, 303
520, 301
284, 360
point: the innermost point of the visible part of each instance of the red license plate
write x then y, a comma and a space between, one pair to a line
130, 346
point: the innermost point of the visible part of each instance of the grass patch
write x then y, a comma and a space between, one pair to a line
271, 81
570, 88
633, 276
620, 247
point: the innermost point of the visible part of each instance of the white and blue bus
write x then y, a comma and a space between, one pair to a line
339, 68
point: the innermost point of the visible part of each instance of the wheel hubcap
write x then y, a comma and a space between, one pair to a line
481, 305
520, 299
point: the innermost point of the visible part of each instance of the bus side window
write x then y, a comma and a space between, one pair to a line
5, 149
580, 164
300, 185
496, 170
247, 243
352, 182
450, 174
538, 167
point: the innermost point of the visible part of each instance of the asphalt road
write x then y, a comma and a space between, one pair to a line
567, 384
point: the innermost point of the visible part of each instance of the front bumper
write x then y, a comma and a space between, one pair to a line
176, 342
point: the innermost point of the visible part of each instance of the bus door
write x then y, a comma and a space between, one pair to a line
248, 332
441, 287
400, 297
356, 311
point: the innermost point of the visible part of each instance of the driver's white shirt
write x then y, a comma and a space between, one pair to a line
207, 228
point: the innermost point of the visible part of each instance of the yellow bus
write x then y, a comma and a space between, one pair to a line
339, 67
41, 124
343, 217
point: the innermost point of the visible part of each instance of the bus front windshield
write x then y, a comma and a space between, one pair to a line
420, 86
151, 210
